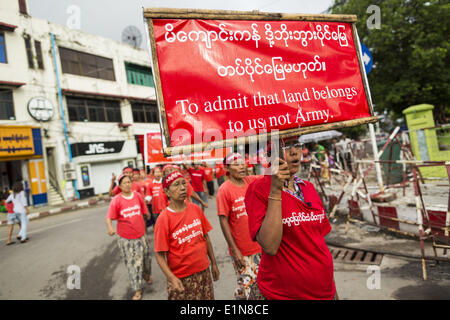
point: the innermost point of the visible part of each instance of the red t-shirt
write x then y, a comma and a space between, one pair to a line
159, 198
230, 203
182, 236
209, 174
128, 213
220, 170
303, 266
197, 177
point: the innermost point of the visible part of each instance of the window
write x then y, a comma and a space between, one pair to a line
23, 6
2, 48
29, 52
144, 112
95, 110
6, 105
139, 75
40, 60
87, 65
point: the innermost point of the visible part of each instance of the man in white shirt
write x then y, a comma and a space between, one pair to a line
17, 198
345, 151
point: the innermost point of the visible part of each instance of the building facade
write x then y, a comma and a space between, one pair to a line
73, 107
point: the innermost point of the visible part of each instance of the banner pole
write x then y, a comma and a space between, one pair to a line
376, 157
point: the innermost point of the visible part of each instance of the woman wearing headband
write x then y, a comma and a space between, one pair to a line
127, 208
167, 169
182, 246
287, 218
231, 210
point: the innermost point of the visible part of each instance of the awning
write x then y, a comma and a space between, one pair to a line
70, 92
7, 27
319, 136
11, 84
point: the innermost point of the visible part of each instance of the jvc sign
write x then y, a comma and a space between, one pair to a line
96, 148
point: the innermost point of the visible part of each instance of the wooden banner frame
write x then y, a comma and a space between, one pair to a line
169, 13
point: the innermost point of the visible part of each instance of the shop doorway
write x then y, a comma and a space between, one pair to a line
10, 171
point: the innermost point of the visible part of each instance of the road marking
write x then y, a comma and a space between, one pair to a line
50, 227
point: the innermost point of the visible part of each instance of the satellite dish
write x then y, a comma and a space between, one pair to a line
132, 36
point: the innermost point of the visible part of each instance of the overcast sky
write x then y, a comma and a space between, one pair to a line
108, 18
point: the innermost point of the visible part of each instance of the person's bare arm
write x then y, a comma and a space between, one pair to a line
197, 197
271, 231
212, 258
173, 280
113, 180
111, 231
230, 241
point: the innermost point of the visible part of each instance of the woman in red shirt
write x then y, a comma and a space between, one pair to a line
128, 208
182, 245
245, 253
289, 222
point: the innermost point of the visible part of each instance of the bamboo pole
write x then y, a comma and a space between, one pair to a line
175, 13
420, 223
281, 134
162, 108
385, 228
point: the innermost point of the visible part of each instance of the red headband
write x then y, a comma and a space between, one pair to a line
232, 157
171, 178
127, 170
123, 175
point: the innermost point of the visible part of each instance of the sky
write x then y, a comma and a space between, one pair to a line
109, 18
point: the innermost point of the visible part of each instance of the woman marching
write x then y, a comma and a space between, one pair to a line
182, 245
289, 222
127, 208
245, 253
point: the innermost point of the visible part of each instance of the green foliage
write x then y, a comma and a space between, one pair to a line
411, 52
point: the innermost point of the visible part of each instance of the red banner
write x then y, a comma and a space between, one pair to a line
231, 78
154, 153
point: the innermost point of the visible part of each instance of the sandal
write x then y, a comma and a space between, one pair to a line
137, 296
9, 243
24, 240
148, 279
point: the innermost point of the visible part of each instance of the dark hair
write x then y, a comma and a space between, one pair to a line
136, 170
17, 187
122, 177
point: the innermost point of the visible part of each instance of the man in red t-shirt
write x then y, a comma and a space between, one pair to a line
155, 195
290, 224
220, 173
245, 252
209, 178
198, 181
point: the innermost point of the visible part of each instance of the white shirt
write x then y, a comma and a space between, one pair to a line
344, 145
19, 201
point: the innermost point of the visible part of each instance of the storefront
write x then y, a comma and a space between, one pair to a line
96, 161
21, 160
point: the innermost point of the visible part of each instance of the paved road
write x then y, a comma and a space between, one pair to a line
38, 268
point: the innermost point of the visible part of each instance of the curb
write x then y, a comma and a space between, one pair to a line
80, 205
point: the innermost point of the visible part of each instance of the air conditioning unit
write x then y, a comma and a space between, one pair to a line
70, 175
68, 166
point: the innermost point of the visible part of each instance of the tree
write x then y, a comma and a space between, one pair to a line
410, 52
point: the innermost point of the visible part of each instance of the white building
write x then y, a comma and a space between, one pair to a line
106, 98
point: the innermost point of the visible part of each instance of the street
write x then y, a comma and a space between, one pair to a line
38, 269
